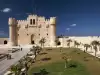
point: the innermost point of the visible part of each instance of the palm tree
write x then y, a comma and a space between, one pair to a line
99, 45
95, 44
75, 43
65, 59
86, 46
69, 41
42, 41
95, 48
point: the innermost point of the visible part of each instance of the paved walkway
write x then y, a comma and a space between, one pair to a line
5, 64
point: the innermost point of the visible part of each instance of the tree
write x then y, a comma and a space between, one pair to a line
86, 46
95, 48
42, 41
69, 41
99, 45
16, 69
26, 67
35, 52
66, 58
38, 49
77, 44
95, 44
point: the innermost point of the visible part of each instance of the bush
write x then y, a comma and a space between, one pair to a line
72, 64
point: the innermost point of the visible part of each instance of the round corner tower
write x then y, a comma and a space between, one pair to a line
12, 32
52, 31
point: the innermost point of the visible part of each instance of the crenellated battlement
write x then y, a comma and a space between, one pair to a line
32, 15
47, 20
51, 20
21, 21
41, 18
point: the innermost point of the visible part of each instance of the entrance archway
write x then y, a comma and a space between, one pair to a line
5, 41
32, 40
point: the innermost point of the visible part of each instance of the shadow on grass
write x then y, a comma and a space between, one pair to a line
86, 59
72, 64
46, 59
78, 53
42, 72
43, 53
48, 49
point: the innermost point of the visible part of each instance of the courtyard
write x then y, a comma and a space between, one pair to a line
50, 61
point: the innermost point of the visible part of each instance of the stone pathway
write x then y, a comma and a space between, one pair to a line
5, 64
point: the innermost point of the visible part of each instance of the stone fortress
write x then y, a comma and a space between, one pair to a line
31, 30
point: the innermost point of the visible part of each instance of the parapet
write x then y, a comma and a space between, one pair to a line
41, 18
47, 19
21, 21
32, 16
12, 21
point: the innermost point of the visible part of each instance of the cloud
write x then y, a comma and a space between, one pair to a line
6, 10
67, 29
2, 33
73, 25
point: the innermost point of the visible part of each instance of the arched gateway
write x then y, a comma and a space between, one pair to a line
32, 39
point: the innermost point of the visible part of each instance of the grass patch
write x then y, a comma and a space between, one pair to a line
88, 64
58, 68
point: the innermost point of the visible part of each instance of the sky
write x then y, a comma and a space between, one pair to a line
74, 17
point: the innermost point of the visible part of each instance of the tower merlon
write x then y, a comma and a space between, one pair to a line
52, 20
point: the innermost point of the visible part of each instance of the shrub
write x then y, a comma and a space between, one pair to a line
72, 64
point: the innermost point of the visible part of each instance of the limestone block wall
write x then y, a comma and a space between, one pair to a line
41, 29
84, 40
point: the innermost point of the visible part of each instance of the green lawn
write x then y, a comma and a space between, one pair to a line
59, 69
87, 64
